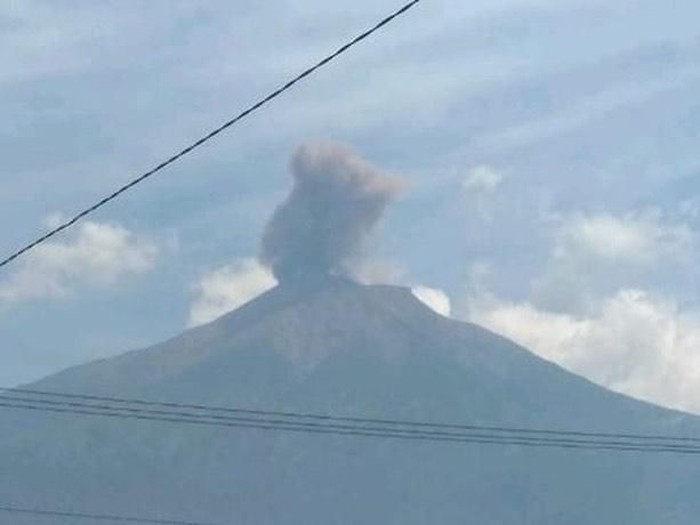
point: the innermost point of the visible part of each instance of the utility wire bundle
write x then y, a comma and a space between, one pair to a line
120, 518
282, 421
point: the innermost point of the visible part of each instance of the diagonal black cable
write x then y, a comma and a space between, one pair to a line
352, 430
94, 409
67, 224
95, 517
8, 393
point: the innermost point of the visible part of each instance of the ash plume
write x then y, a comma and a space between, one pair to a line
336, 201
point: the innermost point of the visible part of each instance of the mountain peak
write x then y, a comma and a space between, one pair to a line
332, 346
324, 295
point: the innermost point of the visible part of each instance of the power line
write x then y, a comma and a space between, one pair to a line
396, 434
363, 432
356, 430
95, 517
204, 409
248, 422
243, 114
378, 424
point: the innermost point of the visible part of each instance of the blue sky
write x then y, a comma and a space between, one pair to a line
549, 148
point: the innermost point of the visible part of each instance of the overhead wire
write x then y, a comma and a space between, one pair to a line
12, 509
365, 427
393, 434
199, 142
4, 392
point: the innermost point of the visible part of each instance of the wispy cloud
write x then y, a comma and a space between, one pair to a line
593, 311
598, 253
482, 179
228, 287
584, 112
480, 186
96, 254
634, 342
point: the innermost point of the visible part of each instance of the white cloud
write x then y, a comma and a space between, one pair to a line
434, 298
594, 255
227, 288
632, 238
634, 343
594, 311
479, 187
482, 179
585, 112
95, 254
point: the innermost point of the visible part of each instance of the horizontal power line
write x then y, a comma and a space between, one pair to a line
11, 509
256, 422
199, 142
205, 409
357, 430
363, 432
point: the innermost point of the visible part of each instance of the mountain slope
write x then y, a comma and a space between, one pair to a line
332, 346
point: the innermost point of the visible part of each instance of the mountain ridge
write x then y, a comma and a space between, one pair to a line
335, 347
189, 348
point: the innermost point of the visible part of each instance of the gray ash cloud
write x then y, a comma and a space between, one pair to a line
336, 201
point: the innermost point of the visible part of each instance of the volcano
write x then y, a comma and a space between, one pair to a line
331, 346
